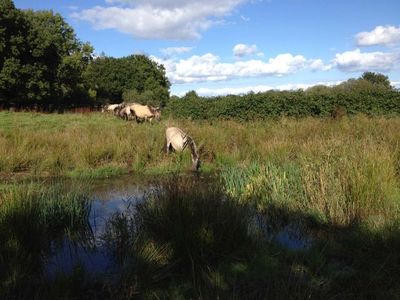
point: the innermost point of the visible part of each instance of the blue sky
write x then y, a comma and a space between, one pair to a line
234, 46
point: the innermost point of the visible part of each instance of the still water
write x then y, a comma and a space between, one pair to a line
116, 196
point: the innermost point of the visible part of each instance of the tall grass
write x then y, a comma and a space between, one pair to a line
32, 216
95, 145
187, 242
342, 189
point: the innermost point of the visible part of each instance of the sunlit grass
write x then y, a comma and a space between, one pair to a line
102, 145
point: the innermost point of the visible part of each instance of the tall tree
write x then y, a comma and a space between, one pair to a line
132, 75
13, 47
41, 59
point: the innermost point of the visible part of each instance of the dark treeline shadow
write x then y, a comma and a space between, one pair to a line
188, 241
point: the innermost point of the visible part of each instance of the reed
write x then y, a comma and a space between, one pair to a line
339, 190
187, 241
32, 216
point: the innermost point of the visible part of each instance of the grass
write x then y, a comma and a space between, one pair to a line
340, 171
341, 178
96, 145
187, 242
32, 216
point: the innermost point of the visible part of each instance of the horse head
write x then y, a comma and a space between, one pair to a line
156, 111
196, 164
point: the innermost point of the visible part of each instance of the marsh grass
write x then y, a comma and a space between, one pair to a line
338, 190
32, 216
185, 241
340, 171
96, 145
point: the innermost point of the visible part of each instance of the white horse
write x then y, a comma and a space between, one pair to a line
177, 140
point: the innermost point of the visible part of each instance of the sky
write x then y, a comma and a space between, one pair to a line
219, 47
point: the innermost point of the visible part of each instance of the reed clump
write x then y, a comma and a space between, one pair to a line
187, 241
33, 216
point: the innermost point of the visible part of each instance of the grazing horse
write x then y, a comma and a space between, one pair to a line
177, 140
124, 112
145, 112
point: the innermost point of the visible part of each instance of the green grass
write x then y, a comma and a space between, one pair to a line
32, 216
341, 192
96, 145
189, 242
339, 172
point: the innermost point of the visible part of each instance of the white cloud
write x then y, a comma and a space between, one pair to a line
175, 50
159, 19
396, 84
381, 35
208, 67
318, 65
357, 61
209, 92
241, 50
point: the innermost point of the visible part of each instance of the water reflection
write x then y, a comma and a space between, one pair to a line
34, 223
107, 198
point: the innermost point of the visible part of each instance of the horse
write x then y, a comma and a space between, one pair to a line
145, 112
124, 112
178, 140
110, 107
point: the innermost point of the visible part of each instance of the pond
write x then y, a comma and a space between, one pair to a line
131, 222
108, 197
114, 197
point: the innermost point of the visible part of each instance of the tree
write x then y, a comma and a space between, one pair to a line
191, 95
12, 49
376, 78
127, 78
40, 57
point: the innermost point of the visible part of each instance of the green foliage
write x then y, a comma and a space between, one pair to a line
32, 215
376, 79
43, 65
132, 78
354, 96
41, 60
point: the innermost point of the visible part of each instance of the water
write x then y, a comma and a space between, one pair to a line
109, 197
291, 235
116, 196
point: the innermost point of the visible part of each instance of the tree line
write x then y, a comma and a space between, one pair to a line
370, 94
43, 65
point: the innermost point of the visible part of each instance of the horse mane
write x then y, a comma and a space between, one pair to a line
192, 146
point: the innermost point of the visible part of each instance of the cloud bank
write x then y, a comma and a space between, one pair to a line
209, 68
158, 19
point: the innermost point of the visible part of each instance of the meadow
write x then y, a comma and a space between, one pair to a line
339, 171
338, 179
